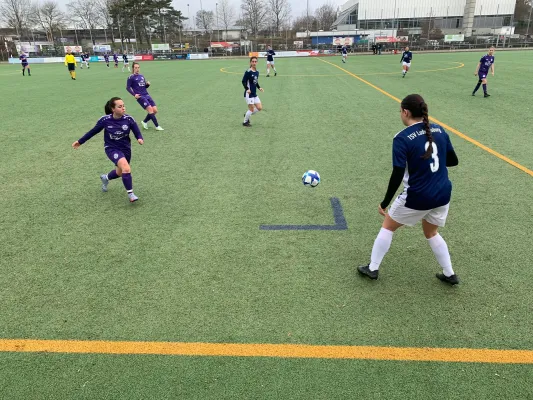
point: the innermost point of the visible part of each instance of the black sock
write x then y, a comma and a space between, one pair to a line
477, 86
23, 71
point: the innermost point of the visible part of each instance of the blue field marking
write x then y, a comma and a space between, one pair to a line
338, 215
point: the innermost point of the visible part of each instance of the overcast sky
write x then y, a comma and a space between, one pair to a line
298, 6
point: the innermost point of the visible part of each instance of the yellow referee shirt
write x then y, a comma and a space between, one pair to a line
70, 59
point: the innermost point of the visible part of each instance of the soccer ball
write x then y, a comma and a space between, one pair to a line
311, 178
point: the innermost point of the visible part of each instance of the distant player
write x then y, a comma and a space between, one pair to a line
106, 59
482, 70
25, 66
115, 59
82, 59
117, 126
421, 154
407, 56
344, 52
126, 63
270, 61
70, 63
137, 86
250, 81
87, 59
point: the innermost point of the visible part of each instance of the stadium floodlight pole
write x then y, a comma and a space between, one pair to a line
218, 30
528, 21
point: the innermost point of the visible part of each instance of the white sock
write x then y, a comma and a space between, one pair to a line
275, 69
381, 247
440, 249
247, 116
255, 110
268, 71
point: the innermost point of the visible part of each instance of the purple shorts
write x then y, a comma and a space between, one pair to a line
146, 101
482, 75
116, 154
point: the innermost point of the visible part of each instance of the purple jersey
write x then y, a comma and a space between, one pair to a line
485, 63
106, 58
115, 58
116, 132
23, 59
137, 85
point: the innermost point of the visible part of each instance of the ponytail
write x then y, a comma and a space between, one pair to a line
419, 109
110, 105
427, 128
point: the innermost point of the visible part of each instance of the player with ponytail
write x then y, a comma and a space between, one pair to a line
421, 154
117, 146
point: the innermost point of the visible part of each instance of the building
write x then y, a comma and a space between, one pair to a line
467, 17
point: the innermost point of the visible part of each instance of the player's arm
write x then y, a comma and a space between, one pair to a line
245, 80
451, 157
136, 131
477, 68
66, 61
129, 88
399, 162
492, 68
97, 129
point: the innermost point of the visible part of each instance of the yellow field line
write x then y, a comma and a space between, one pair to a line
447, 127
269, 350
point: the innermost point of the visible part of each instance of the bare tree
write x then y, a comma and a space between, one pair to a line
227, 14
86, 11
15, 13
205, 19
280, 10
325, 16
254, 12
103, 10
49, 17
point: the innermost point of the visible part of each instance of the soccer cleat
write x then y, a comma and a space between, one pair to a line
268, 76
486, 95
132, 197
145, 125
105, 182
158, 128
247, 124
473, 93
452, 280
275, 74
365, 270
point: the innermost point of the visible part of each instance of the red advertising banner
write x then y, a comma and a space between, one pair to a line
391, 39
147, 57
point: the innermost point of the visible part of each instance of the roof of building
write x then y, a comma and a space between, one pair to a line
345, 13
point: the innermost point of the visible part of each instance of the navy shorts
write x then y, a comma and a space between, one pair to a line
116, 154
146, 101
482, 75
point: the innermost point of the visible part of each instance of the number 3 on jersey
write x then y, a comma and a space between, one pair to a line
434, 166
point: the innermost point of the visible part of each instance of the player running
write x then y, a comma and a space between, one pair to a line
137, 86
421, 154
117, 145
482, 70
24, 62
115, 59
344, 52
126, 63
106, 59
407, 56
270, 61
250, 81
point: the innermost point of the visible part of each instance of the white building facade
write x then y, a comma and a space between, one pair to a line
467, 17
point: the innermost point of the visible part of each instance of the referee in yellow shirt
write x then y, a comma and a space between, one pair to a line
70, 62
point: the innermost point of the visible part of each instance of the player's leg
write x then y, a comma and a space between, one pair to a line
380, 248
274, 68
430, 226
113, 174
249, 112
268, 69
484, 82
127, 180
29, 70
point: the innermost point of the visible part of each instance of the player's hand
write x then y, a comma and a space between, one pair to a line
493, 73
381, 210
137, 96
140, 141
249, 91
76, 144
147, 83
261, 89
475, 73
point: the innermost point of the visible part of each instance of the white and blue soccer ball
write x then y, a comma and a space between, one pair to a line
311, 178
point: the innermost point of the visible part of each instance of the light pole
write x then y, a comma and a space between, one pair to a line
218, 30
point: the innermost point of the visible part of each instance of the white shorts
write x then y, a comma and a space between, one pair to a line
252, 100
407, 216
270, 62
408, 65
126, 62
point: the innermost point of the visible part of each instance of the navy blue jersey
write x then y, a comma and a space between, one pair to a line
23, 59
407, 56
344, 50
250, 81
485, 63
270, 55
136, 85
116, 131
425, 181
125, 57
82, 57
